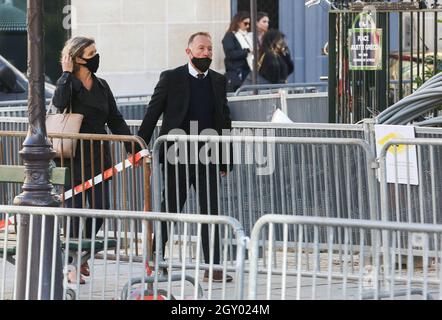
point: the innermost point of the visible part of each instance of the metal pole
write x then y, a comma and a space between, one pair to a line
36, 154
381, 75
233, 7
332, 61
253, 18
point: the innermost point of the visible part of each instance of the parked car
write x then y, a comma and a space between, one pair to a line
14, 84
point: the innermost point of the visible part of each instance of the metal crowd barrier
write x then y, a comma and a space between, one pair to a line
306, 268
308, 108
300, 107
131, 106
242, 185
127, 276
325, 177
306, 130
254, 108
16, 108
15, 112
298, 267
289, 87
362, 132
18, 103
14, 124
414, 192
121, 98
126, 190
428, 132
133, 98
239, 128
302, 130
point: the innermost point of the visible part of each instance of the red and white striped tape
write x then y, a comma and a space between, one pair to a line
106, 175
3, 223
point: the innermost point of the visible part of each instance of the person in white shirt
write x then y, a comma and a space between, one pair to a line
238, 51
192, 97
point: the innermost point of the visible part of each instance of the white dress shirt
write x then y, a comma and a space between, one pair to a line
194, 73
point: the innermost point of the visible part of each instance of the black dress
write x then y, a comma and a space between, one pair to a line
99, 108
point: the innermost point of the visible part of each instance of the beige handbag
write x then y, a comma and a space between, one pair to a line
64, 123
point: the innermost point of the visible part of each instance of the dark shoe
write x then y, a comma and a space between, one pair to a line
72, 278
163, 272
217, 276
84, 269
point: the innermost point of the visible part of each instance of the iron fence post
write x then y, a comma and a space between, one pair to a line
37, 189
253, 18
332, 68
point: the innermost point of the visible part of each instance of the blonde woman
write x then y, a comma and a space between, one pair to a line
91, 96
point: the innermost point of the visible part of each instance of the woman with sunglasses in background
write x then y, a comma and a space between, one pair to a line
238, 51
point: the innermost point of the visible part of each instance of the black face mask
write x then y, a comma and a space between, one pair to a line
93, 63
202, 64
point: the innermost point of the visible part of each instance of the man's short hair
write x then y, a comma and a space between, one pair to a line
193, 36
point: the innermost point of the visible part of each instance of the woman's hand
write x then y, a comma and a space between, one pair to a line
67, 64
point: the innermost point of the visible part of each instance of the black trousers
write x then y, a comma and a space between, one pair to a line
99, 199
207, 198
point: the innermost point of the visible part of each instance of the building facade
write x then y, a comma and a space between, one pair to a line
138, 39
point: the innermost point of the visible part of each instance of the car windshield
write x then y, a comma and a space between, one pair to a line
21, 78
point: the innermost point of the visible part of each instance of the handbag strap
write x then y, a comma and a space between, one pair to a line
261, 60
52, 106
70, 98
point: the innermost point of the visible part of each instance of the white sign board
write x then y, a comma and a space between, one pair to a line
401, 161
280, 117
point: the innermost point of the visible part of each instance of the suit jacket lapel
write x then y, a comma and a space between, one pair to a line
184, 86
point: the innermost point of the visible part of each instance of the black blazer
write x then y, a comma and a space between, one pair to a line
276, 67
235, 56
171, 99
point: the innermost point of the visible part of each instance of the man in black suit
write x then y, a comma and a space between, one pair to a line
188, 97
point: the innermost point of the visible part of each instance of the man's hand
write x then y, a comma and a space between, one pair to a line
223, 174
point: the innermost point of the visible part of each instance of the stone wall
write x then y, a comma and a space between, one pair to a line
137, 39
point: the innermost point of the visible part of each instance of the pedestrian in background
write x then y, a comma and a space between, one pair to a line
238, 51
275, 63
262, 26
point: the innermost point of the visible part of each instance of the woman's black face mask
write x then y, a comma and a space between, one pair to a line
93, 63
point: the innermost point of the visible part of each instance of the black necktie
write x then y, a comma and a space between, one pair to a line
200, 76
